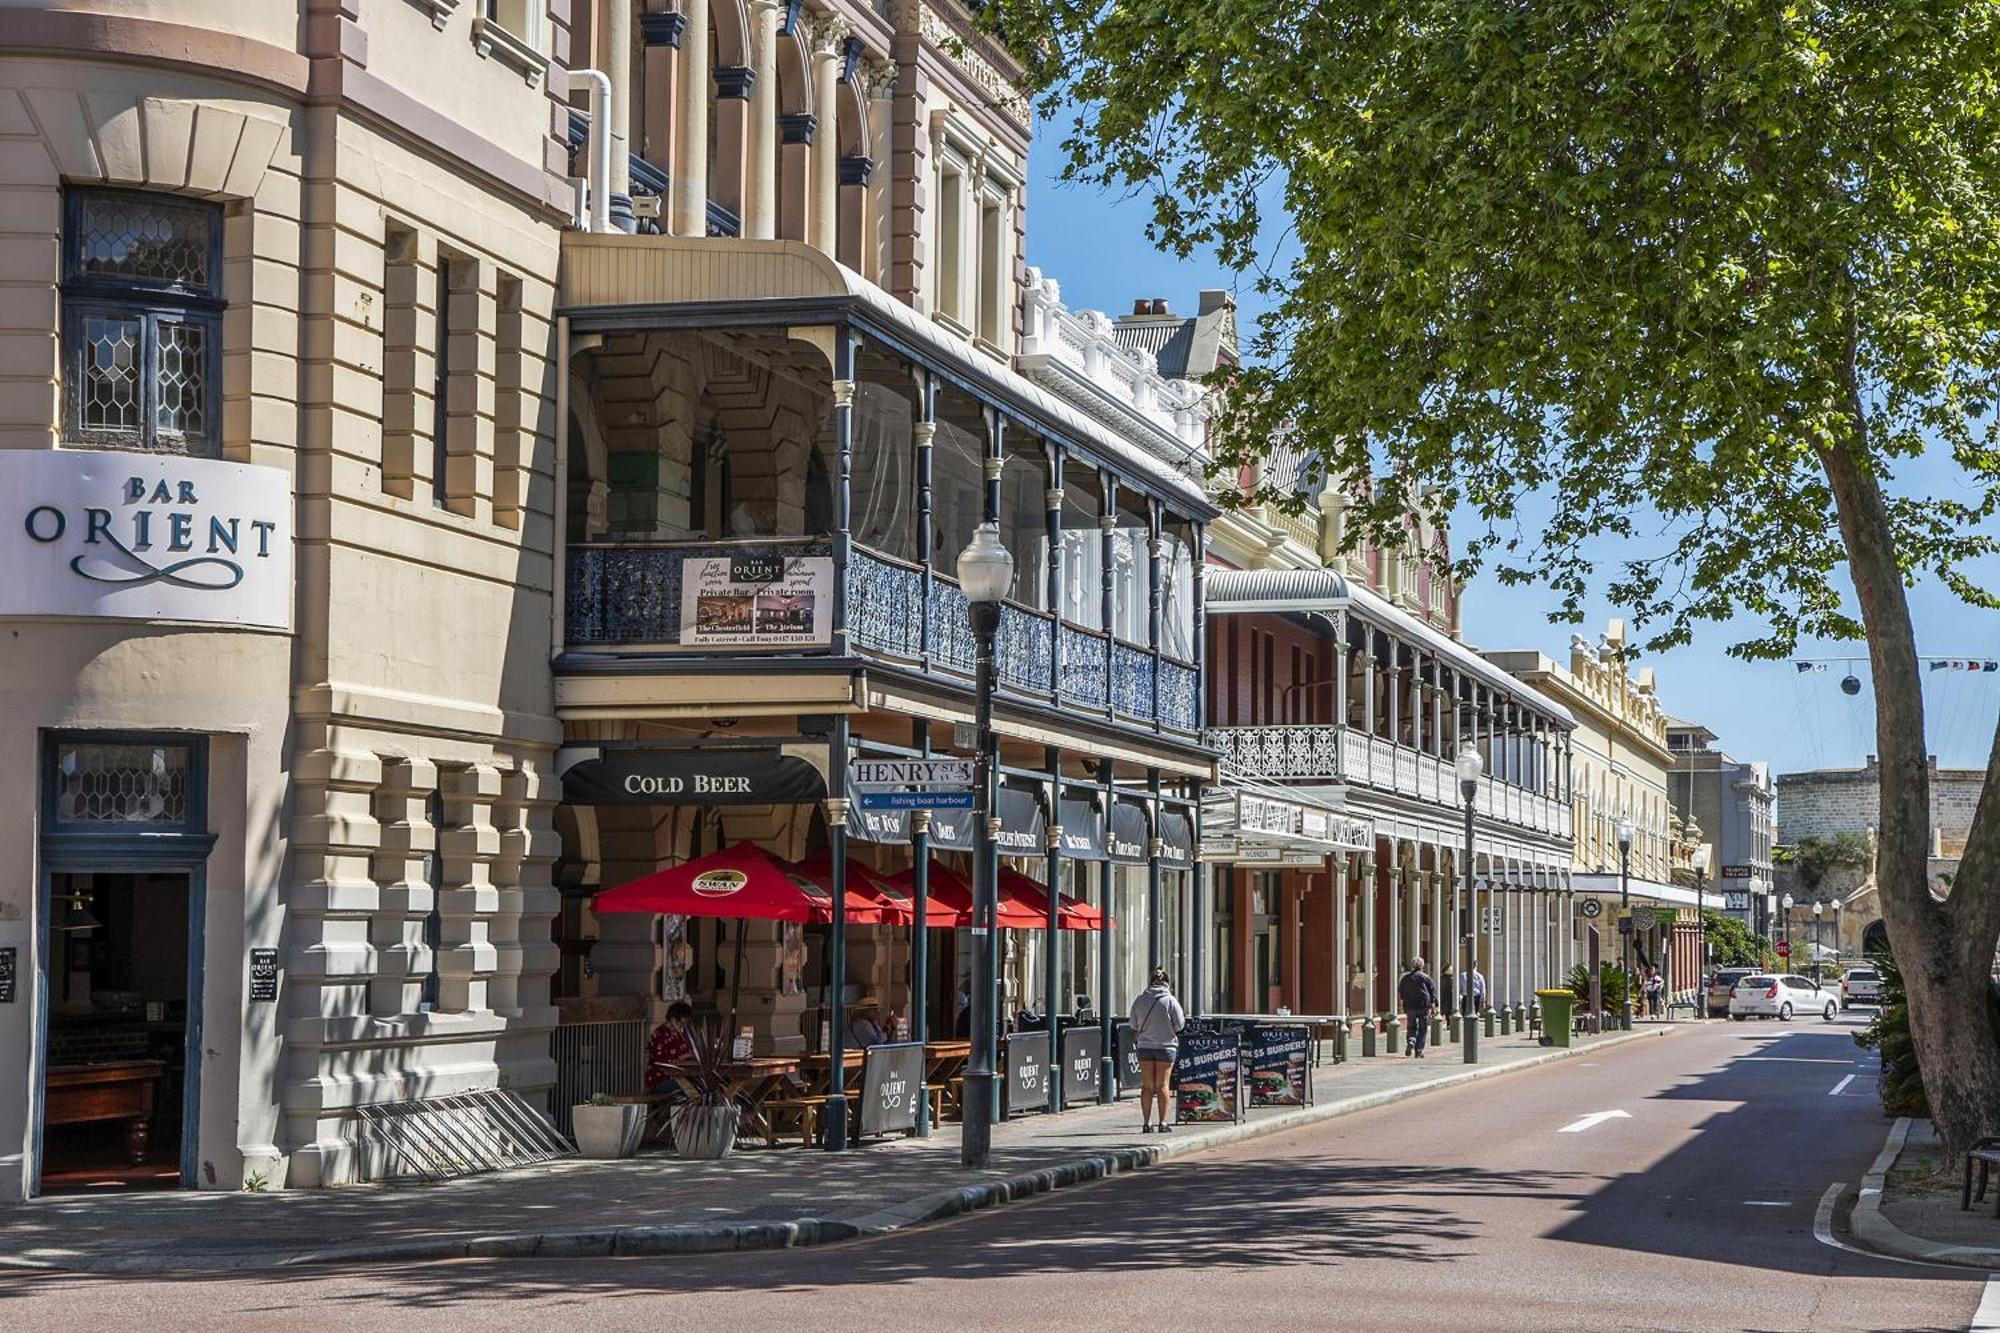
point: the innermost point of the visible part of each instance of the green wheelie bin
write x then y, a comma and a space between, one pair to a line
1557, 1006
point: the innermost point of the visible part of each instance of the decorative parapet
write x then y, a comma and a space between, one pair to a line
1076, 353
962, 50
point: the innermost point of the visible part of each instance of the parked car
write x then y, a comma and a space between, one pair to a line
1861, 985
1719, 986
1767, 996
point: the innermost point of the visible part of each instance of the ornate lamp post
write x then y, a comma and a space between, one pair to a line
985, 575
1468, 766
1700, 863
1818, 907
1625, 921
1786, 903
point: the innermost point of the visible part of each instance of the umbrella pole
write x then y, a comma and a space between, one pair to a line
735, 977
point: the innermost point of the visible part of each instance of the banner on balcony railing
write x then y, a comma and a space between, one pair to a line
757, 601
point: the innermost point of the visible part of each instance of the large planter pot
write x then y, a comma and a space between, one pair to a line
706, 1132
608, 1131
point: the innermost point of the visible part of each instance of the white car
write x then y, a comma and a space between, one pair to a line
1861, 985
1780, 996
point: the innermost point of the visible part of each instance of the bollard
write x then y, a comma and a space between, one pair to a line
1453, 1028
1392, 1036
1340, 1037
1437, 1029
1534, 1018
1486, 1021
1367, 1038
1506, 1020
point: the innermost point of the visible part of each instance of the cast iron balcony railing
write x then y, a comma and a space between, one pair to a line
637, 596
1322, 754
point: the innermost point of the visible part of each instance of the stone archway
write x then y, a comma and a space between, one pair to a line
1874, 938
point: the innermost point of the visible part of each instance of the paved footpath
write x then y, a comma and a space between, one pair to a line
658, 1204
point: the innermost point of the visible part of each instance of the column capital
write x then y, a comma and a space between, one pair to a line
920, 821
923, 432
843, 393
836, 811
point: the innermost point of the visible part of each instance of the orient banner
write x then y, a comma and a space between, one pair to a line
1082, 1052
138, 537
757, 601
632, 776
892, 1078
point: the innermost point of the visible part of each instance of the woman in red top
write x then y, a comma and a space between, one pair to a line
668, 1047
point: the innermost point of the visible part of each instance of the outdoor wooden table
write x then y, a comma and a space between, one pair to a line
945, 1061
751, 1082
817, 1068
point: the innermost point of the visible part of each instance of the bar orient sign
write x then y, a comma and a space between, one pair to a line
133, 537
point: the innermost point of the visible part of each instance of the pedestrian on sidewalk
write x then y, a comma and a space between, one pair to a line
1448, 991
1475, 993
1418, 995
1157, 1020
1656, 986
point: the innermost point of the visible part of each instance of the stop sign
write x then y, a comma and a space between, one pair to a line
1784, 948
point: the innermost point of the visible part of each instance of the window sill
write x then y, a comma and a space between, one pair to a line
438, 11
951, 322
490, 39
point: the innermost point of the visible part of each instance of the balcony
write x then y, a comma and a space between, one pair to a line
1323, 754
682, 598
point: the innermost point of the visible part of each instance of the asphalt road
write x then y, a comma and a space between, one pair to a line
1465, 1209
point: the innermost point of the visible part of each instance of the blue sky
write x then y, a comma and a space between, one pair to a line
1095, 246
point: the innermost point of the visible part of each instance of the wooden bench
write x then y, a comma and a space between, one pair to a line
1986, 1152
808, 1109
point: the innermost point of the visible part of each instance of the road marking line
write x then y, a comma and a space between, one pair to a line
1795, 1059
1767, 1203
1594, 1118
1987, 1317
1840, 1086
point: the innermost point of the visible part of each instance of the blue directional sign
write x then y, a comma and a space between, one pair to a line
914, 800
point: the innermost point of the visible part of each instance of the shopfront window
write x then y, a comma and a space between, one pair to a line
142, 322
120, 785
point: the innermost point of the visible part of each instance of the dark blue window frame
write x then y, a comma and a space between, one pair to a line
152, 304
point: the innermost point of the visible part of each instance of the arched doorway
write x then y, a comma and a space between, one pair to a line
1874, 939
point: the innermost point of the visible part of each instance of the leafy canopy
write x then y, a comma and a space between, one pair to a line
1638, 261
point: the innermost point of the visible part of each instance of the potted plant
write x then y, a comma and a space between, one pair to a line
704, 1120
607, 1128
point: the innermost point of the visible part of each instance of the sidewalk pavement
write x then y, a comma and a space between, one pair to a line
1908, 1205
660, 1204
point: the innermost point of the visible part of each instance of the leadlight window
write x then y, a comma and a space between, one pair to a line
118, 785
142, 322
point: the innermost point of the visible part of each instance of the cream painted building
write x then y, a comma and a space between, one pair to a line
351, 476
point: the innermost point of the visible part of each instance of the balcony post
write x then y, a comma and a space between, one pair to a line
843, 495
1369, 952
920, 935
1154, 846
1199, 557
996, 447
1339, 693
1052, 929
924, 431
1394, 691
1107, 526
1369, 667
1197, 987
1154, 567
1107, 1059
1055, 455
1342, 924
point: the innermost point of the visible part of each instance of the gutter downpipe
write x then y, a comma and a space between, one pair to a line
598, 172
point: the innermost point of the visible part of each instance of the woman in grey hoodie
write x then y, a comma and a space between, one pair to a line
1157, 1019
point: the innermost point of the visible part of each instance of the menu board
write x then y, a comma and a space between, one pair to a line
1027, 1072
7, 957
756, 601
892, 1079
1279, 1064
263, 976
1207, 1078
1082, 1052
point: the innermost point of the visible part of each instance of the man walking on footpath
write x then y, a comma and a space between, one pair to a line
1418, 996
1474, 984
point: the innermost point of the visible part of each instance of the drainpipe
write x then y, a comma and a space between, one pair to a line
598, 171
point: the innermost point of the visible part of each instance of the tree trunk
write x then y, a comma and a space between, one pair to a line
1945, 950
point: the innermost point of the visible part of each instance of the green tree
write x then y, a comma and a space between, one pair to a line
1815, 858
1731, 943
1700, 274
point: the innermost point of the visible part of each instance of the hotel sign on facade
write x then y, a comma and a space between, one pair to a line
132, 537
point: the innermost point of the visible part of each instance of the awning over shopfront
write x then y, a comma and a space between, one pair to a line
1082, 828
1176, 839
1127, 845
1245, 825
689, 775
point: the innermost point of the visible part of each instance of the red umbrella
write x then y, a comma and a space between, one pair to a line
1023, 904
743, 881
881, 892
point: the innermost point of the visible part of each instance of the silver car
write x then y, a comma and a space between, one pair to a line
1861, 985
1768, 995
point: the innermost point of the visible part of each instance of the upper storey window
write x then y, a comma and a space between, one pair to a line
142, 322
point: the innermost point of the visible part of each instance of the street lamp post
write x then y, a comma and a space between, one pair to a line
1468, 766
1818, 907
1786, 903
985, 575
1700, 863
1625, 921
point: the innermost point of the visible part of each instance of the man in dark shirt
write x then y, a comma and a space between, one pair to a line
1418, 996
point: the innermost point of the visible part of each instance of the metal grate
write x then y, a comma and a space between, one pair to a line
608, 1057
464, 1134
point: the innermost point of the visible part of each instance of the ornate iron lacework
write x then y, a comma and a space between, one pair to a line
1083, 675
1179, 700
1024, 649
882, 604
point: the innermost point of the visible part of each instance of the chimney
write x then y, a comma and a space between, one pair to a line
1140, 305
1213, 300
1160, 306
